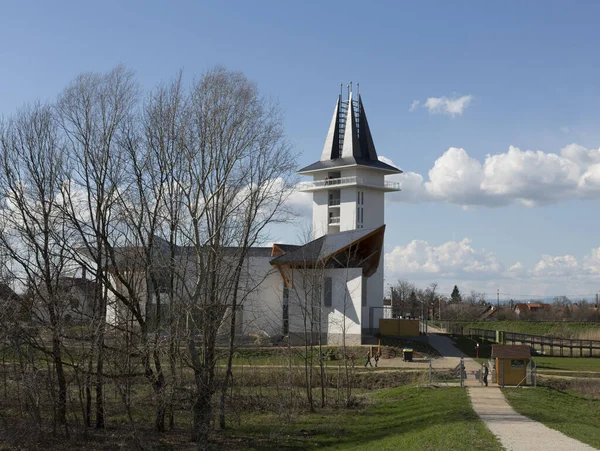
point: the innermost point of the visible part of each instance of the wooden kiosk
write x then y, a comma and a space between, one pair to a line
510, 364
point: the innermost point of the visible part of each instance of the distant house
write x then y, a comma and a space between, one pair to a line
11, 304
487, 314
7, 293
78, 301
530, 307
75, 301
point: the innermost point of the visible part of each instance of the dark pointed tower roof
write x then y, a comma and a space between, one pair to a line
349, 141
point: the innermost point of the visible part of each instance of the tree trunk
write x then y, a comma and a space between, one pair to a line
100, 366
161, 396
232, 326
202, 412
61, 408
202, 408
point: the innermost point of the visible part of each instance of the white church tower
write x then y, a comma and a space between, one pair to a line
348, 190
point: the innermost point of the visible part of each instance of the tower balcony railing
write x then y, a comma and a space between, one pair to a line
346, 181
334, 202
333, 220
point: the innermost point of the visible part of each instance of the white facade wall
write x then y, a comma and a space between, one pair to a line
348, 209
320, 213
344, 314
372, 203
262, 307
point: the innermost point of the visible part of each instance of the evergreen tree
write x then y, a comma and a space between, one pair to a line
414, 304
455, 297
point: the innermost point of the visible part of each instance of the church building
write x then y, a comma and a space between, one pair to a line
333, 285
330, 288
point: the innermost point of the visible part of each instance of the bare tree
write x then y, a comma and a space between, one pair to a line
160, 204
229, 198
401, 292
32, 230
93, 111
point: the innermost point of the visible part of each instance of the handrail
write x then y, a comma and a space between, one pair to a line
353, 180
545, 341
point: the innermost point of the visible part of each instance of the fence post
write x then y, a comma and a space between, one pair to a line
430, 372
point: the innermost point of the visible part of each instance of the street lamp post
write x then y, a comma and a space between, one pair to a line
498, 299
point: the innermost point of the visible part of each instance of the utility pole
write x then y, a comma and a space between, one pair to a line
498, 300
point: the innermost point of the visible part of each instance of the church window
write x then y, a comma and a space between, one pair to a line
286, 312
364, 292
327, 292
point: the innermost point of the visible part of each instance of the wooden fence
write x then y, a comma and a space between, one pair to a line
544, 345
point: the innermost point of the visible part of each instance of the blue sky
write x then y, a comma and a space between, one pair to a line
530, 72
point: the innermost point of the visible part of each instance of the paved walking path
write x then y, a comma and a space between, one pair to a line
451, 357
515, 431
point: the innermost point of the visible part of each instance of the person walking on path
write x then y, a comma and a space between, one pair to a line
368, 362
486, 371
377, 355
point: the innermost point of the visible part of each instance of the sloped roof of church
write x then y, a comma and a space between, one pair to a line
360, 248
349, 141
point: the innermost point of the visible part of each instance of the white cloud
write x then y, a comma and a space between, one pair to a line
524, 177
447, 105
414, 105
461, 263
591, 263
447, 260
516, 268
300, 204
556, 266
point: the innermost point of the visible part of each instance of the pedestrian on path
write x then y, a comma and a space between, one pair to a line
368, 362
377, 355
486, 371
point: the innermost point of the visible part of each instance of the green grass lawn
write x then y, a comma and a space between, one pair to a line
467, 345
567, 363
562, 374
586, 330
566, 411
408, 418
